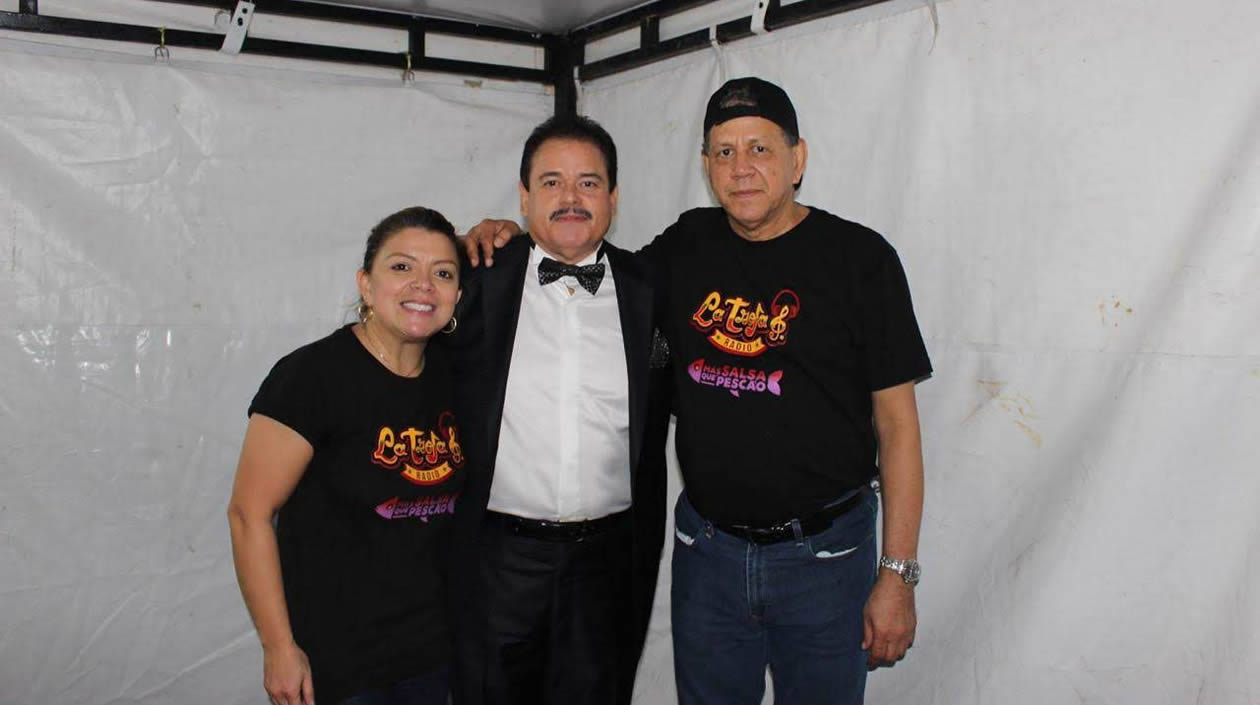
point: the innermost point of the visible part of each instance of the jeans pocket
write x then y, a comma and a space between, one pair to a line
846, 536
830, 550
687, 523
686, 539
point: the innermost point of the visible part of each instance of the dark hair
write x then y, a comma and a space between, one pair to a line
570, 127
413, 217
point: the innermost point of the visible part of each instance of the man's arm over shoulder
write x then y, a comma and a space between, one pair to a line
491, 234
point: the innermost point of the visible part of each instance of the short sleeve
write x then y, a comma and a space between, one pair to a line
291, 395
678, 237
893, 349
656, 254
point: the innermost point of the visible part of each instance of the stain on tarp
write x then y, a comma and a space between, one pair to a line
1015, 405
1112, 311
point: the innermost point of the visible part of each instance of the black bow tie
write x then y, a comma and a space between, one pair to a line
589, 276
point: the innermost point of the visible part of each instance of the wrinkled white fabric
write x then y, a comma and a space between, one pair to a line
1070, 185
167, 232
1072, 189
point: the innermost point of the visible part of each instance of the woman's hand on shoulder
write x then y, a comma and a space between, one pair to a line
287, 675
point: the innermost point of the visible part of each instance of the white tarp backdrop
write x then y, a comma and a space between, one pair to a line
168, 232
1074, 188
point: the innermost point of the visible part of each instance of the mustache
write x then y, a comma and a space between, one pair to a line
570, 211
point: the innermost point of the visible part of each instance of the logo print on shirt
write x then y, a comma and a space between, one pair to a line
738, 326
421, 508
735, 379
426, 457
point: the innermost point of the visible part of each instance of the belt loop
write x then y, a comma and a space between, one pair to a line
796, 531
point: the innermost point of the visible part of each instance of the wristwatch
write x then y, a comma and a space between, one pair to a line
907, 568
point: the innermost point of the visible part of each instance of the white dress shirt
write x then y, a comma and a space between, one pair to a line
564, 443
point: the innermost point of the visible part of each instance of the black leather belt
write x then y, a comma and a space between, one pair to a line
782, 531
558, 531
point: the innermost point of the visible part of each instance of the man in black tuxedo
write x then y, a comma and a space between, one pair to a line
564, 387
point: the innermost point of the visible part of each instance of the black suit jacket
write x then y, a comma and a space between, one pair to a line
487, 315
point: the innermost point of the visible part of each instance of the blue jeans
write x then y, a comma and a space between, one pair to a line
795, 606
432, 688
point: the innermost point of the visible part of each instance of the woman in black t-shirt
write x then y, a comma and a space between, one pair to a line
353, 450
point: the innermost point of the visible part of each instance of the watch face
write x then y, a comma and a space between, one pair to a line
912, 572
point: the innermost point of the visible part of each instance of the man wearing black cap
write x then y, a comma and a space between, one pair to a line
795, 352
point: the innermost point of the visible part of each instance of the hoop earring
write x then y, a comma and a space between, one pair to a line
450, 326
364, 311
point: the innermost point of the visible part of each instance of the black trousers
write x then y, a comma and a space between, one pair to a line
557, 617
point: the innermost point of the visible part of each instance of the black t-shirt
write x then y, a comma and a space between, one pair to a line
361, 535
777, 346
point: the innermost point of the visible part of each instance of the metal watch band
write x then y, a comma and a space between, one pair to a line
907, 568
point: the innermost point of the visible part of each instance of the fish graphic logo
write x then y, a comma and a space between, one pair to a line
735, 379
421, 508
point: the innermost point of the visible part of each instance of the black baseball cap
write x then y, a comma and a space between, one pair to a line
751, 97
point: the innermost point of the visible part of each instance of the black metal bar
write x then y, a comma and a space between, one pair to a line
562, 56
298, 50
736, 29
415, 41
253, 45
355, 15
342, 55
777, 17
481, 31
780, 17
806, 10
563, 52
632, 18
475, 68
649, 31
643, 56
90, 29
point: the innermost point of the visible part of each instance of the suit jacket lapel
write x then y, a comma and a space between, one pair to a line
634, 303
501, 308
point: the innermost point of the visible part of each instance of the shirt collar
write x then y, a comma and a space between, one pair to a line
536, 254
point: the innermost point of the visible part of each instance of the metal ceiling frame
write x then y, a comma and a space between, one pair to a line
564, 65
652, 48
